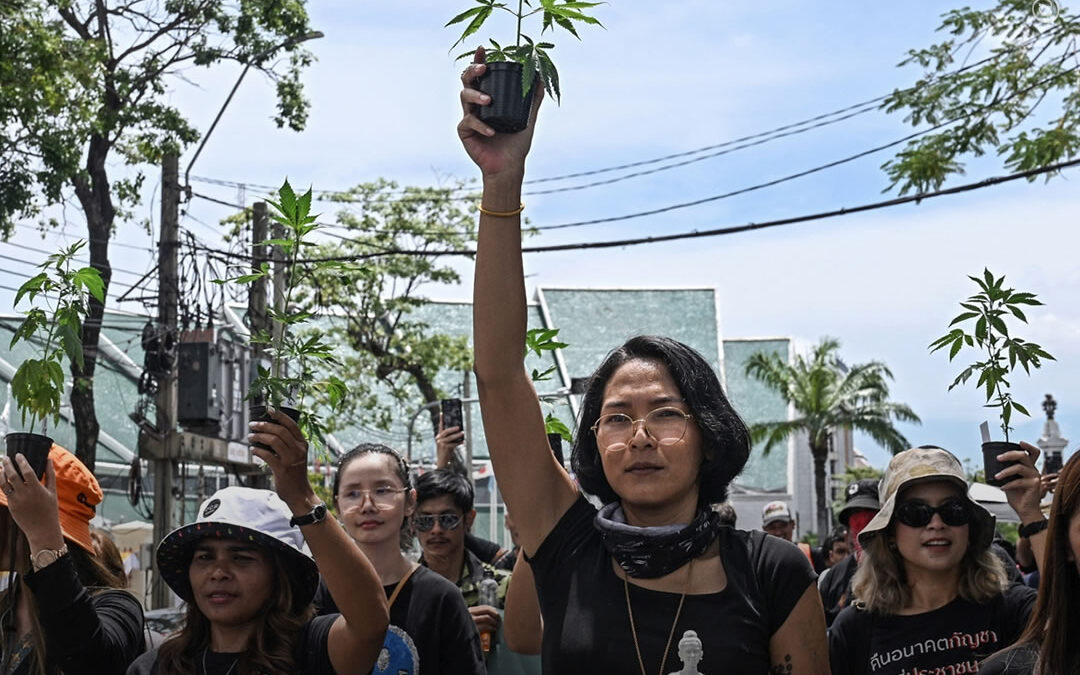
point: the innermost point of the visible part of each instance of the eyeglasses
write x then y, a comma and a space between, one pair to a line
666, 425
953, 512
447, 521
383, 497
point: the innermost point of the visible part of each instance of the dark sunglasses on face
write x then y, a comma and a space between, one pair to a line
953, 512
447, 521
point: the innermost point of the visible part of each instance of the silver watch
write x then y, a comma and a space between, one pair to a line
48, 556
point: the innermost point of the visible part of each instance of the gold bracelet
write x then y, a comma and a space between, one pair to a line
502, 214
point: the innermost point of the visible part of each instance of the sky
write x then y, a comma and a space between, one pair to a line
659, 79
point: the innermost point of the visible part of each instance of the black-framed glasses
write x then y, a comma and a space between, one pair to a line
666, 425
447, 521
953, 512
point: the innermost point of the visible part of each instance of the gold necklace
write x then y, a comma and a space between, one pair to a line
678, 612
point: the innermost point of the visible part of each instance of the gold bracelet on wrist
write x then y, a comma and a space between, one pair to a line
502, 214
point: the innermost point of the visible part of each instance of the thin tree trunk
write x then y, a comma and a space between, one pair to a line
96, 201
823, 519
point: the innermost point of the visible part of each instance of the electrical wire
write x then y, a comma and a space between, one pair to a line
47, 252
872, 206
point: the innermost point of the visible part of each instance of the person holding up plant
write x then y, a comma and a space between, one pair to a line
930, 595
246, 571
431, 631
64, 611
658, 443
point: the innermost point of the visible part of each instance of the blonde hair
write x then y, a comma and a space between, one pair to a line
880, 582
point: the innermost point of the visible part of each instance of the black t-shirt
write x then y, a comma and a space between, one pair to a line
947, 639
310, 652
1018, 660
587, 626
431, 630
835, 587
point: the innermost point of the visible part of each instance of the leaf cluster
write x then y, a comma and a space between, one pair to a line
538, 341
302, 359
80, 79
992, 106
988, 313
375, 307
533, 55
55, 329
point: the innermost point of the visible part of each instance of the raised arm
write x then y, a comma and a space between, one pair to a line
1025, 494
357, 635
531, 481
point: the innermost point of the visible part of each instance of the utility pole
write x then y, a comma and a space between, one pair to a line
165, 464
279, 291
258, 321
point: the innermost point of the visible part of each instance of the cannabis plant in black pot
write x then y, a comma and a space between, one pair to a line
300, 356
513, 70
54, 328
988, 314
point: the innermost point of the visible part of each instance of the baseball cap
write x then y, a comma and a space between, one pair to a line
774, 511
923, 465
244, 514
862, 494
77, 496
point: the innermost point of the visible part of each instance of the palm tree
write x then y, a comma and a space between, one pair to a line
828, 396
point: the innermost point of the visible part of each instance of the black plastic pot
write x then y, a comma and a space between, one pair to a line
509, 110
34, 447
991, 465
258, 414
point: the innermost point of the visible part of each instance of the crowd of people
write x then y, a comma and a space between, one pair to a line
629, 561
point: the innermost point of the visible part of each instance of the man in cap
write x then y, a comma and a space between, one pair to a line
776, 519
860, 506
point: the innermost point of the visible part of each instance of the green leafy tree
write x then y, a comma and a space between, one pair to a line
371, 304
83, 91
828, 396
1033, 63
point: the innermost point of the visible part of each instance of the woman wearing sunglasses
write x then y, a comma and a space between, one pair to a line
657, 442
930, 594
431, 631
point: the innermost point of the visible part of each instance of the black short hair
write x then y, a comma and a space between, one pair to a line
440, 482
725, 438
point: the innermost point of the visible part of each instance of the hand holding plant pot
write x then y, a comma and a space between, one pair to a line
299, 359
55, 329
512, 70
990, 312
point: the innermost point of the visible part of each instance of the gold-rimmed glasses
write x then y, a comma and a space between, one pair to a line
666, 426
382, 497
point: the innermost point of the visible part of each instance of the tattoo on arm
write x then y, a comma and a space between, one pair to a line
782, 668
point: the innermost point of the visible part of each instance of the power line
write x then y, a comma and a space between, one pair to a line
96, 240
873, 206
46, 252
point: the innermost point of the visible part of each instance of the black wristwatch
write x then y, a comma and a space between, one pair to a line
317, 515
1036, 527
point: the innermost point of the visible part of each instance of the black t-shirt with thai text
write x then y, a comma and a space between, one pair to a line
587, 626
951, 639
431, 630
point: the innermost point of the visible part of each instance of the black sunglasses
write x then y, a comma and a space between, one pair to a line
954, 512
447, 521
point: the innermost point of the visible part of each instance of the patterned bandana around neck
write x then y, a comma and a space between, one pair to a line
651, 552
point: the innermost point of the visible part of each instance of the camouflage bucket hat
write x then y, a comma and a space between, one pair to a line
925, 465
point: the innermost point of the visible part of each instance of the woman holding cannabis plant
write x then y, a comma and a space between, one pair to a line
658, 442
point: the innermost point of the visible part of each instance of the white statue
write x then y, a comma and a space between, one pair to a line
690, 653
